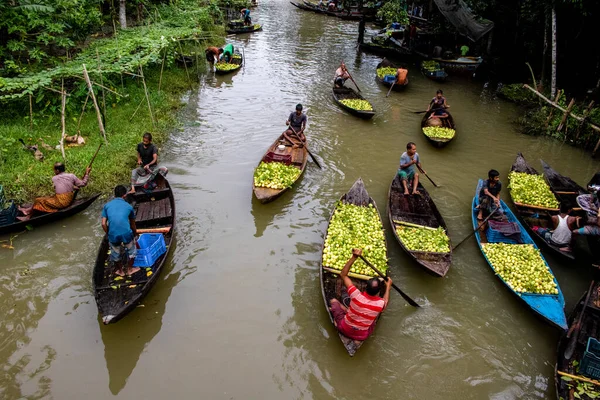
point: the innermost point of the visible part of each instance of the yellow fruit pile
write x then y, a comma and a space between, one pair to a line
521, 266
361, 105
531, 190
275, 175
382, 72
355, 227
439, 132
423, 239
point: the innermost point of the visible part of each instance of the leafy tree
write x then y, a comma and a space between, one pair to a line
394, 11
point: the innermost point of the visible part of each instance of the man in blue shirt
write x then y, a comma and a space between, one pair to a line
407, 170
118, 221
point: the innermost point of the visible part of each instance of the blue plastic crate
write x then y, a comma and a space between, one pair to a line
590, 364
389, 78
152, 246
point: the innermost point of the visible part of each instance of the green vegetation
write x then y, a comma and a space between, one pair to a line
393, 11
44, 46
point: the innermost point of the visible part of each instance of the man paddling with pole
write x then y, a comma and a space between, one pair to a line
297, 123
357, 321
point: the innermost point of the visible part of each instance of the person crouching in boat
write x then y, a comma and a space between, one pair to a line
212, 54
357, 321
438, 105
65, 186
118, 222
147, 160
245, 15
489, 195
227, 53
563, 224
297, 123
407, 170
341, 74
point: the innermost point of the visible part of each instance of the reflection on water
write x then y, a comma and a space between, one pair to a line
240, 313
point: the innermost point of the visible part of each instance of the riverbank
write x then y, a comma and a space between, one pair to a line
24, 177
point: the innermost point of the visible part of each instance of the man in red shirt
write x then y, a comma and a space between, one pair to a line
358, 320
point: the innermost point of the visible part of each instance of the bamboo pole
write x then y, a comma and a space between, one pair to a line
162, 67
552, 109
147, 97
101, 84
91, 93
579, 378
577, 117
63, 100
136, 110
81, 115
185, 65
536, 207
409, 224
30, 113
565, 116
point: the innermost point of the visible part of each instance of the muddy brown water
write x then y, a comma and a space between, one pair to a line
238, 312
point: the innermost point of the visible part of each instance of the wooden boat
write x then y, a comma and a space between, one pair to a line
537, 216
332, 286
348, 93
446, 123
244, 29
237, 59
386, 64
348, 14
419, 210
461, 65
590, 324
438, 75
564, 188
117, 298
40, 219
386, 51
550, 307
296, 157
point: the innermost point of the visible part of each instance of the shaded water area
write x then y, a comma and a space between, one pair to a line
238, 312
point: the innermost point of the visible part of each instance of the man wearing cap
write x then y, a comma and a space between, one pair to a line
297, 123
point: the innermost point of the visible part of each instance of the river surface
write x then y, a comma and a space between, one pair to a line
238, 312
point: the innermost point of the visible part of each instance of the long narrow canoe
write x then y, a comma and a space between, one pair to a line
346, 93
244, 29
116, 298
446, 123
550, 307
590, 327
332, 286
563, 187
460, 66
237, 59
77, 206
535, 216
299, 157
419, 210
386, 64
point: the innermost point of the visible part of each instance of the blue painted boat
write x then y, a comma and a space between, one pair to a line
551, 307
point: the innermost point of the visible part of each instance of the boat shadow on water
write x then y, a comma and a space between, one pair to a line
125, 341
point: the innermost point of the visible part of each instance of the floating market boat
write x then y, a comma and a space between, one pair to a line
346, 93
387, 83
154, 212
11, 224
433, 71
536, 217
550, 307
332, 286
418, 210
281, 151
583, 362
461, 65
237, 60
244, 29
448, 122
563, 187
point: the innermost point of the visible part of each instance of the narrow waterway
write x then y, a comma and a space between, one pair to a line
238, 312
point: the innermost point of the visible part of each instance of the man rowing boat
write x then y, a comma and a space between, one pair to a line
407, 170
297, 123
341, 74
65, 186
147, 159
357, 321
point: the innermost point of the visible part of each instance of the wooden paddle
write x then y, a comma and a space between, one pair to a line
476, 229
351, 78
391, 87
420, 112
307, 149
385, 278
89, 166
577, 327
430, 180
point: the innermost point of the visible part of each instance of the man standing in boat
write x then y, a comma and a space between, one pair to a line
118, 221
65, 186
407, 170
147, 160
297, 123
357, 321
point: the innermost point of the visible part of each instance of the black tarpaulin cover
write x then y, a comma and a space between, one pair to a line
457, 12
